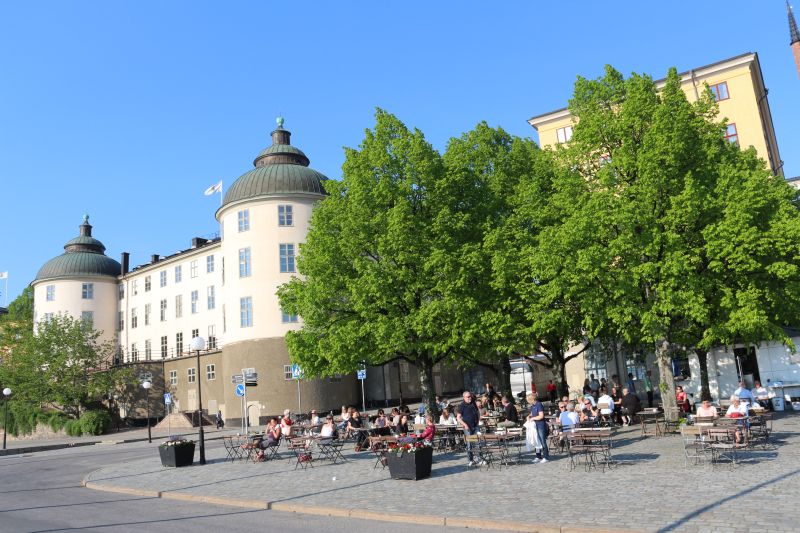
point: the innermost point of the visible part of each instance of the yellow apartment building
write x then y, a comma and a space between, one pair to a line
738, 86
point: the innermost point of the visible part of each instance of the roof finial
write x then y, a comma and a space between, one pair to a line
279, 120
793, 32
85, 219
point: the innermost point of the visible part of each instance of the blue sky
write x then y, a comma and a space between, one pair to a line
129, 110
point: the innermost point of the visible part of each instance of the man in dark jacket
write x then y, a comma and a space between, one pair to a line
630, 406
468, 417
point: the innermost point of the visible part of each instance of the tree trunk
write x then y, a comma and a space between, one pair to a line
667, 380
702, 358
503, 371
559, 373
425, 367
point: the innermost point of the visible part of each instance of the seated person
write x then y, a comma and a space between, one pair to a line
497, 404
447, 418
744, 394
589, 413
762, 396
401, 429
441, 403
286, 423
328, 431
707, 410
510, 414
395, 418
314, 419
568, 417
420, 418
617, 396
607, 410
737, 409
345, 417
430, 429
356, 423
481, 408
272, 437
630, 406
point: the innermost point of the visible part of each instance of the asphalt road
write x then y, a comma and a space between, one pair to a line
41, 492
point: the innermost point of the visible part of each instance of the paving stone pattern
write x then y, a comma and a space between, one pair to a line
649, 488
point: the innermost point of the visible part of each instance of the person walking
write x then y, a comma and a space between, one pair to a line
537, 416
220, 421
469, 417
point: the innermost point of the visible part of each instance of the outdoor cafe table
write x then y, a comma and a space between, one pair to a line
650, 420
591, 444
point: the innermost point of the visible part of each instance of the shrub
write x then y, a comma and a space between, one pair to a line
56, 420
73, 428
95, 422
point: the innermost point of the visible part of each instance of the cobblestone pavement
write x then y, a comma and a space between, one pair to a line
648, 489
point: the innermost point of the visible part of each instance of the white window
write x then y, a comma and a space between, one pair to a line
87, 291
148, 354
164, 350
194, 302
193, 269
246, 312
178, 305
285, 215
244, 220
146, 314
134, 352
287, 372
287, 257
595, 361
212, 337
178, 344
51, 293
162, 278
163, 315
88, 318
178, 274
135, 287
244, 263
286, 318
195, 333
210, 264
134, 318
147, 284
121, 321
173, 377
211, 300
564, 134
211, 372
47, 317
190, 375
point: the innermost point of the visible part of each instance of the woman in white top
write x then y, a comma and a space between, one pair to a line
447, 418
314, 418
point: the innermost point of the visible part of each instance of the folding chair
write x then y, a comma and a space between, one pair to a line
722, 444
378, 448
694, 447
493, 450
232, 448
302, 452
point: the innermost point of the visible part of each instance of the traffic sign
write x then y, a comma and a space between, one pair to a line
167, 398
240, 389
237, 378
297, 372
362, 373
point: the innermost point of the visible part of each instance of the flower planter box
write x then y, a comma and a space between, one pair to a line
406, 465
180, 455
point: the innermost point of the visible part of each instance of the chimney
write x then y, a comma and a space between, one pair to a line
198, 241
125, 261
154, 258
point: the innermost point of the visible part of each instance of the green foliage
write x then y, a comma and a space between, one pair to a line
21, 308
73, 428
95, 422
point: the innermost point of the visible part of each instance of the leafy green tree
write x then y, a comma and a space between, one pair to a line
393, 266
666, 198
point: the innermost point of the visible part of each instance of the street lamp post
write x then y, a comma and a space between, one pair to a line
146, 385
7, 394
198, 344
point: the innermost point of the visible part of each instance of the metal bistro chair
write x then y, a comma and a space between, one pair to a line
760, 430
695, 448
379, 447
721, 441
302, 452
232, 447
494, 450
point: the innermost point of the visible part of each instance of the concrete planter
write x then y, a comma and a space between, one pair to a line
415, 465
178, 455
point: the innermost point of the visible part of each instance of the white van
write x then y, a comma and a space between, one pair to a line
521, 378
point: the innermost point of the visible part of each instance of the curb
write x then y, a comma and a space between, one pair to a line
428, 520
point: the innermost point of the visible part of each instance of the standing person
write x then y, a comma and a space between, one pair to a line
648, 387
630, 385
490, 394
220, 421
682, 399
551, 391
537, 417
594, 385
469, 417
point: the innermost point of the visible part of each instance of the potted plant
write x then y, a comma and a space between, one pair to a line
177, 452
410, 460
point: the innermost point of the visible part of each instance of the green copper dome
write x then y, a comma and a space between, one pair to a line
280, 169
83, 256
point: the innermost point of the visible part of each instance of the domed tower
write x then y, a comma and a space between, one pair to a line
81, 282
264, 218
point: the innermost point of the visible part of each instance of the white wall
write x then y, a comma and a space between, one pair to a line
69, 300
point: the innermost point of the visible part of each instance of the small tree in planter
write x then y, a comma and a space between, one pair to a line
410, 460
177, 452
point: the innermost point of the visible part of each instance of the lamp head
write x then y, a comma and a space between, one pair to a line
146, 384
198, 343
6, 392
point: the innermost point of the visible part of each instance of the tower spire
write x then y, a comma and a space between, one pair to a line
794, 36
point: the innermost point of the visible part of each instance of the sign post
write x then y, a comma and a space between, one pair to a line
248, 378
297, 374
168, 404
362, 375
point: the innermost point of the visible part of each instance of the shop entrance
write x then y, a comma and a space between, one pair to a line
747, 366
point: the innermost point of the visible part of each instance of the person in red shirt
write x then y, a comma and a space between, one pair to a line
551, 391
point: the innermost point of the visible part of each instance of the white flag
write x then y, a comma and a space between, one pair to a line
4, 275
217, 187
